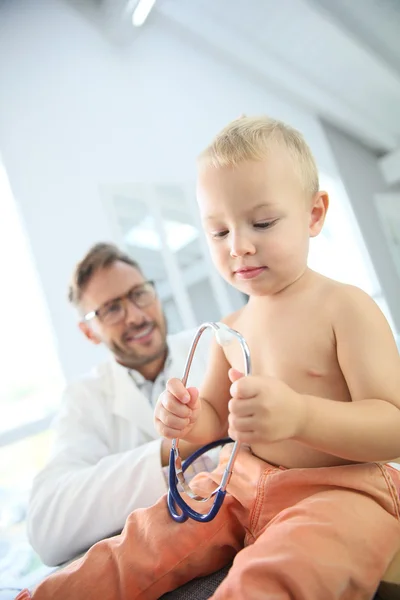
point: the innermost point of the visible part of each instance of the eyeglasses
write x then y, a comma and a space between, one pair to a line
114, 311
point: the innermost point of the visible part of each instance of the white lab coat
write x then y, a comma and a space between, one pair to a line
106, 458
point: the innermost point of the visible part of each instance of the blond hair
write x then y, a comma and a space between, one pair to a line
100, 256
251, 138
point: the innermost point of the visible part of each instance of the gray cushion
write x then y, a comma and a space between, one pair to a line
388, 591
204, 587
198, 589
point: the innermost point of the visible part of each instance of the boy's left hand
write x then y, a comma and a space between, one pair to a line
263, 409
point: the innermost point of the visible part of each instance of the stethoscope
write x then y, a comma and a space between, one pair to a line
224, 335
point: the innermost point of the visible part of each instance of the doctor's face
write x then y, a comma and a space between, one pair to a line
128, 316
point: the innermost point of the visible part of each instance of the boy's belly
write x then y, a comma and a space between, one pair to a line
294, 455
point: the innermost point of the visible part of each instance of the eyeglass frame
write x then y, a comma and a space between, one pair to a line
95, 313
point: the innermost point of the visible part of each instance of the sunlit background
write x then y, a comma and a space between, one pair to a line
104, 105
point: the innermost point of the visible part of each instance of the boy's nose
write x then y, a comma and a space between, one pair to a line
240, 246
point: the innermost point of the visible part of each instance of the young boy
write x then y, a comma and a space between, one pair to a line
311, 513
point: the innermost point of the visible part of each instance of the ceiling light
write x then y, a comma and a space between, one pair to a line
142, 11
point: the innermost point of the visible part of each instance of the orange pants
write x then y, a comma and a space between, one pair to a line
303, 534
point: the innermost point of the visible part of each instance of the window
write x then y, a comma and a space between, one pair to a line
159, 225
30, 386
340, 252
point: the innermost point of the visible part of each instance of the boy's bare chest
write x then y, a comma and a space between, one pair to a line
301, 351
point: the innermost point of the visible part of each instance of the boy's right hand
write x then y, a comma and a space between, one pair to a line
177, 410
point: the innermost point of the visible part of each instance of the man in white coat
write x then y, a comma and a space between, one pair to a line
107, 458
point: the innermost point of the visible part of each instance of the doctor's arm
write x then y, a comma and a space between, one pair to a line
85, 493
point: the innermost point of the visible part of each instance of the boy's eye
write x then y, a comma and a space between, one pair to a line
219, 234
264, 224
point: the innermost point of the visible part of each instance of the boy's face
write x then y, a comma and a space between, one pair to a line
258, 221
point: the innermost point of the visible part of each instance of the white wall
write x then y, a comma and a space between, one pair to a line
362, 179
76, 113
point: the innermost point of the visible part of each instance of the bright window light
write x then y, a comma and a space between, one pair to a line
25, 327
339, 252
144, 235
142, 11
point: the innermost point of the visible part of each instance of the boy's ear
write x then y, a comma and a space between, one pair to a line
89, 333
319, 208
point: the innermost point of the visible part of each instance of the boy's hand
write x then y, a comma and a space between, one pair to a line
263, 409
177, 410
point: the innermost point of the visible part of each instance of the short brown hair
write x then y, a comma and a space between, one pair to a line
250, 138
100, 256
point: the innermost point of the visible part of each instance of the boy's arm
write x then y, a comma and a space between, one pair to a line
368, 428
185, 450
212, 422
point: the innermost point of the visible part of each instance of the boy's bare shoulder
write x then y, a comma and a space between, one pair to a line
347, 303
233, 319
338, 294
344, 294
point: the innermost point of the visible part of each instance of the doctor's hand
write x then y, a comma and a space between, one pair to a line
263, 409
177, 410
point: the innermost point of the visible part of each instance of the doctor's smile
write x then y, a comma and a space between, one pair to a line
141, 335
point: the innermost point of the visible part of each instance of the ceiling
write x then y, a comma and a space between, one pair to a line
374, 23
339, 58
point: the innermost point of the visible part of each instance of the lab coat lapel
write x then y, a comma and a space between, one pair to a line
129, 402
